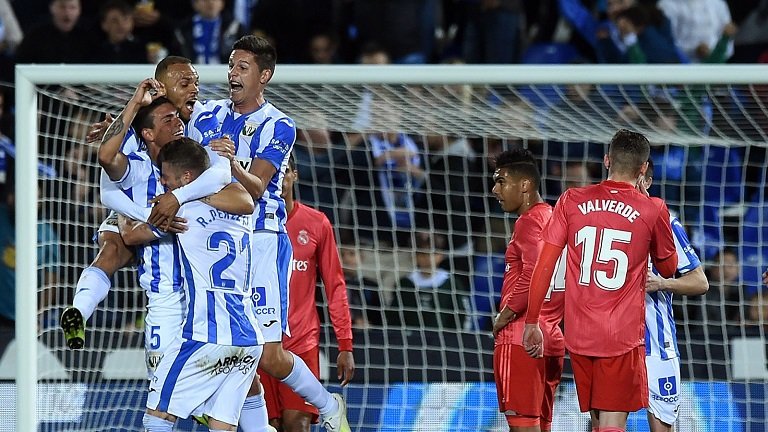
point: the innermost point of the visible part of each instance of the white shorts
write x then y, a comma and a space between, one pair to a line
272, 254
663, 388
162, 326
110, 223
214, 378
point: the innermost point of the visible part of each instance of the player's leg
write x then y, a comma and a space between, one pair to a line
261, 405
582, 375
620, 386
297, 414
553, 370
95, 281
519, 386
270, 281
664, 397
226, 404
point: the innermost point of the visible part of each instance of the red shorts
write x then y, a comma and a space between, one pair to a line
611, 383
519, 380
280, 397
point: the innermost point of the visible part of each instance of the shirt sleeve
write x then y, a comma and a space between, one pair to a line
115, 199
209, 182
687, 259
529, 244
335, 286
280, 144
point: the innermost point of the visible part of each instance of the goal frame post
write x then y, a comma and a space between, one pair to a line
28, 77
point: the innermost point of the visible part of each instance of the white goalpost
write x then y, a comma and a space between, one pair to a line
712, 119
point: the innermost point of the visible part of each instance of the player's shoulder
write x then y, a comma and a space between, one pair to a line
312, 215
208, 109
139, 156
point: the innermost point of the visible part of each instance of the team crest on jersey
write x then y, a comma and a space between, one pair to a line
250, 128
303, 237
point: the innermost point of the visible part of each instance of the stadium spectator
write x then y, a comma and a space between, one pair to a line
323, 48
314, 252
751, 41
430, 297
207, 36
697, 25
723, 303
48, 262
576, 175
10, 30
525, 386
119, 44
364, 297
398, 25
493, 31
154, 23
73, 43
608, 356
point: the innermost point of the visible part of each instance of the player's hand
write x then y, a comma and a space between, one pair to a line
642, 185
163, 211
224, 146
96, 131
654, 283
147, 91
178, 225
765, 277
533, 341
504, 317
345, 368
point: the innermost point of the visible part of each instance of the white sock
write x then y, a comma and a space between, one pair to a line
92, 288
254, 417
306, 385
156, 424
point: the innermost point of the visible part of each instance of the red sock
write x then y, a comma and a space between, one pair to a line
611, 429
594, 429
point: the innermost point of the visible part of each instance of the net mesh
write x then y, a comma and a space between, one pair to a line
403, 173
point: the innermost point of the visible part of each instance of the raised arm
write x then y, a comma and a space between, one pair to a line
232, 199
114, 162
115, 199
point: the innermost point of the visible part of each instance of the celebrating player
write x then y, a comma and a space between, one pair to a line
314, 250
525, 386
661, 354
264, 138
180, 81
610, 229
211, 366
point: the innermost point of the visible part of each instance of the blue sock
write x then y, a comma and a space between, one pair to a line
254, 417
92, 288
156, 424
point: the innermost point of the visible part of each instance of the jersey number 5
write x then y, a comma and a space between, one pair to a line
606, 253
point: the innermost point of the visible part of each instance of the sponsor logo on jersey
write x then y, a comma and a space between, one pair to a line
234, 363
668, 386
259, 296
303, 237
153, 359
300, 265
244, 162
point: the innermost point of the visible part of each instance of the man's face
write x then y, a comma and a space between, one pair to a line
166, 125
289, 179
508, 190
182, 86
208, 9
576, 176
245, 78
321, 49
172, 177
117, 25
613, 7
65, 14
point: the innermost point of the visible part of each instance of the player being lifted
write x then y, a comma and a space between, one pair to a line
314, 251
661, 353
525, 386
264, 137
156, 123
180, 81
609, 229
209, 368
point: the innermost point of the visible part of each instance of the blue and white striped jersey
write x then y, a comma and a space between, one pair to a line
216, 258
266, 133
159, 269
660, 334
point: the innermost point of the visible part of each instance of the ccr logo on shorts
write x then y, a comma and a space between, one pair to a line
259, 298
668, 386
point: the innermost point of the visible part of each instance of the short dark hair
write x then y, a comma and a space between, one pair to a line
162, 68
520, 162
118, 5
262, 50
628, 151
185, 154
145, 117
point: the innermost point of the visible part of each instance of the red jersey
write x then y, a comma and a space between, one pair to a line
609, 230
314, 249
522, 252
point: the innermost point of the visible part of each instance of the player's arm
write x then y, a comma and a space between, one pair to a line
232, 199
338, 303
663, 252
266, 163
212, 180
542, 276
114, 162
136, 233
690, 284
114, 198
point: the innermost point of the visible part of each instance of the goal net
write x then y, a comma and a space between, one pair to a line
400, 160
